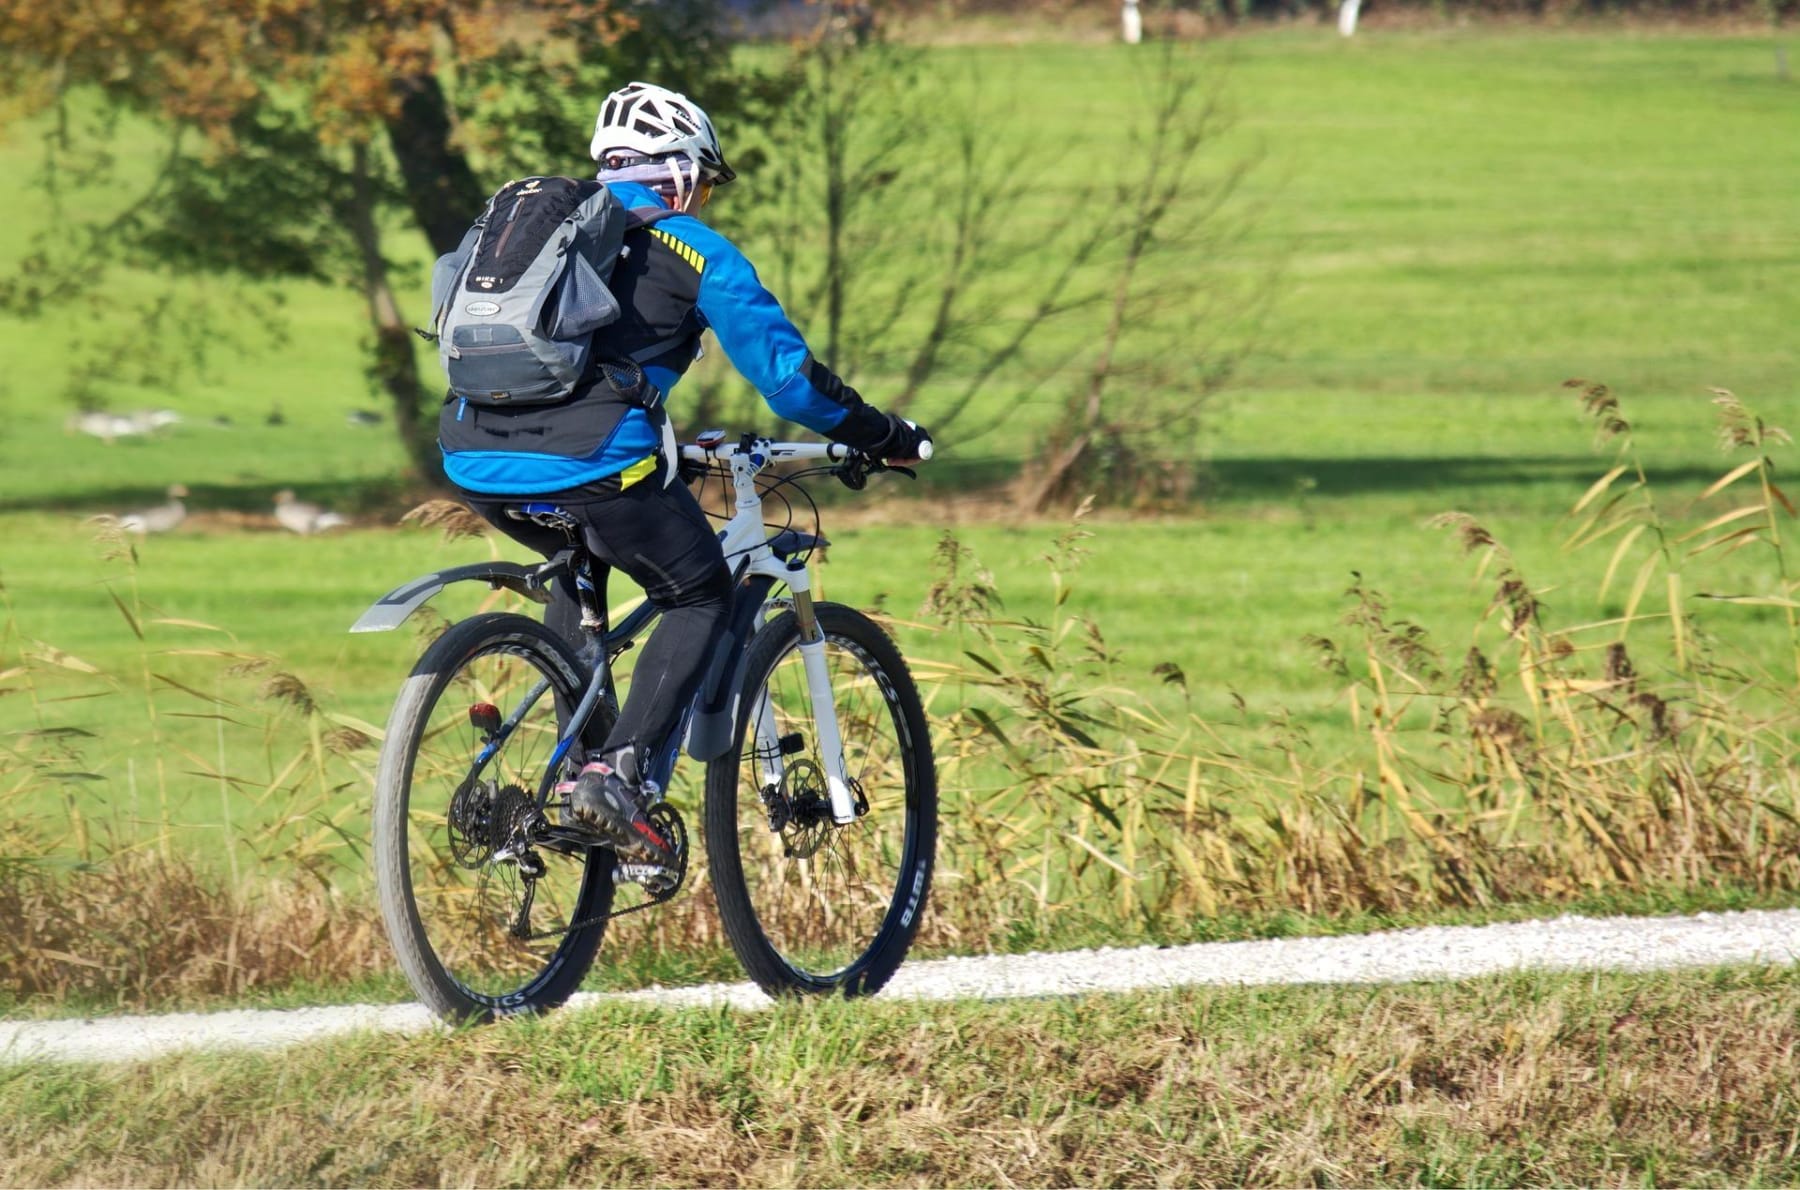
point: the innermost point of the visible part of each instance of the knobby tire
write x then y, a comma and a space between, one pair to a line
842, 919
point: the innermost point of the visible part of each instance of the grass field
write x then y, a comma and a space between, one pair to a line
1600, 203
1229, 595
1457, 221
1529, 1080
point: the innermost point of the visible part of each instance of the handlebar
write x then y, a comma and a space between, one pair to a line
712, 445
854, 467
717, 450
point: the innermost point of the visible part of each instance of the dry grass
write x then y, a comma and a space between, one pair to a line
1681, 1080
129, 914
1544, 763
142, 928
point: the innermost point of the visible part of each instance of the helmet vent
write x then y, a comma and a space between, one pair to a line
653, 124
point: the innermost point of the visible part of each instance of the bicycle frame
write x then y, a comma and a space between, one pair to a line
766, 558
497, 902
760, 561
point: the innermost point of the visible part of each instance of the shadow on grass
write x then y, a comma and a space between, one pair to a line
1219, 481
1233, 480
1281, 479
360, 498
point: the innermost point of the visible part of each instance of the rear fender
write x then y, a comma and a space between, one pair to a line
392, 609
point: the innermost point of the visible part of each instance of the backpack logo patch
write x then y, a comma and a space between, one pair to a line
482, 309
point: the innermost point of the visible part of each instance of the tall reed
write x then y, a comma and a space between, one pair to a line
107, 899
1543, 761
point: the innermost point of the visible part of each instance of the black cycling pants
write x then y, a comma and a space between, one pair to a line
659, 537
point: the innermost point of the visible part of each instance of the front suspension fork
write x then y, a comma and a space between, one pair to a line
824, 708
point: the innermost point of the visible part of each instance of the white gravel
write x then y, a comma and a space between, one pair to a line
1429, 953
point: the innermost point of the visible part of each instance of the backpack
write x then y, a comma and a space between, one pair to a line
518, 302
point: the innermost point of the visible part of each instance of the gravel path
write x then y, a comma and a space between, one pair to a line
1429, 953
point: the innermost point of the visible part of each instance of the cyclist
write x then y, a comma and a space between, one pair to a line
608, 456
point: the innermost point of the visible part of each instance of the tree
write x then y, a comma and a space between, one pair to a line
1175, 325
897, 227
295, 134
887, 227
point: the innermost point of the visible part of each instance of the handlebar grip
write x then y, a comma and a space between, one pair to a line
925, 451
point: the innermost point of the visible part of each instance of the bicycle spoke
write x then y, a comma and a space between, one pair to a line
489, 915
821, 892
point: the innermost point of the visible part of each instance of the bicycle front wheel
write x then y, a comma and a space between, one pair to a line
810, 905
487, 916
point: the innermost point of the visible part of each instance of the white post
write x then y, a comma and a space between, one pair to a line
1347, 11
1132, 21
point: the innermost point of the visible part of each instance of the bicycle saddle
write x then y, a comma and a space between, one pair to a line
550, 516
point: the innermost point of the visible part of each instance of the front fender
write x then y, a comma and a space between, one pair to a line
391, 610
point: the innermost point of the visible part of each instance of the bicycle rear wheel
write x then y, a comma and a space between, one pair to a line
811, 906
486, 918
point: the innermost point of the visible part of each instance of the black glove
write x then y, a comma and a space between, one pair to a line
905, 440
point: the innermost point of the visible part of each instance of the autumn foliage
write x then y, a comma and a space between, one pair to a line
290, 131
204, 65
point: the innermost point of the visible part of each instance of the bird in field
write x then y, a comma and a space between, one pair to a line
155, 419
159, 518
110, 427
105, 426
304, 518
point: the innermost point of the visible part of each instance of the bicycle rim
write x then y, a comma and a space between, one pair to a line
834, 902
504, 940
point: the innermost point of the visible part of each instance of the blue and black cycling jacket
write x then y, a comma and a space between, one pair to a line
678, 279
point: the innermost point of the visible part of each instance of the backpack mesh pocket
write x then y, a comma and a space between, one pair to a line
494, 365
583, 303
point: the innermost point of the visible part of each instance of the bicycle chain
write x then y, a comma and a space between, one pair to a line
655, 899
585, 922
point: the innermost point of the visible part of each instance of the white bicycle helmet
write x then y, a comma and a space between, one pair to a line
643, 121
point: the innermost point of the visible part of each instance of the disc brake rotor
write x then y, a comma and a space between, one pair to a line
808, 805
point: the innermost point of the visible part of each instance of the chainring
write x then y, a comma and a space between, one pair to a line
667, 819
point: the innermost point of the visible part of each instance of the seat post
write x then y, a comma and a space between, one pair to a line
586, 588
587, 591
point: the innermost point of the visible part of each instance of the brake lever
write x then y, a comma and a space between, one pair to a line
853, 472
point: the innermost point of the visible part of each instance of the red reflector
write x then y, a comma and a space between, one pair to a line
485, 717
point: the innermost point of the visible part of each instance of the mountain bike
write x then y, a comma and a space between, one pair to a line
819, 805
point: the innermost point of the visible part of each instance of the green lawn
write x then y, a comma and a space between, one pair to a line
1469, 213
1229, 596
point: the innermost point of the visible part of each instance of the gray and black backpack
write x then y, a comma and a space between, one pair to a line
519, 300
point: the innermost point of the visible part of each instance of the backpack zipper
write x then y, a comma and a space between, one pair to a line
512, 221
